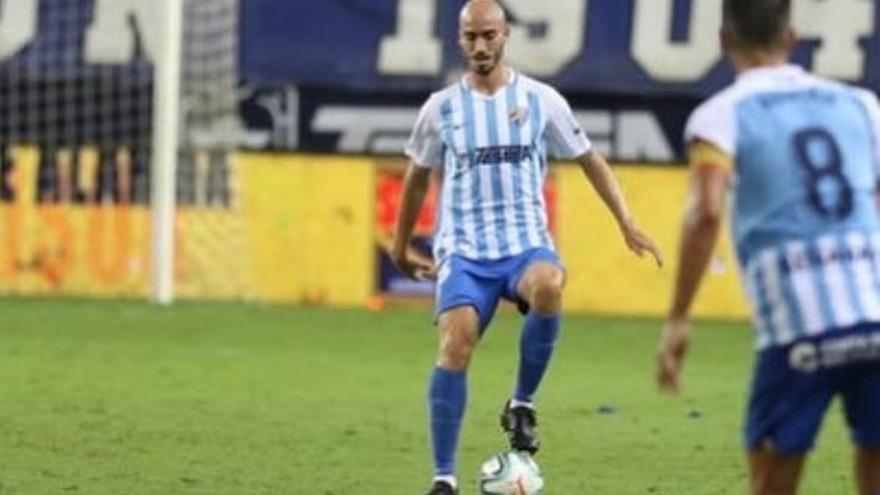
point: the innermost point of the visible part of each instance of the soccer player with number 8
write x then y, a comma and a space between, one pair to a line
802, 157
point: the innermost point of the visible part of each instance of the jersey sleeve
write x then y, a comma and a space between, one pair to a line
872, 105
713, 123
565, 138
703, 153
425, 145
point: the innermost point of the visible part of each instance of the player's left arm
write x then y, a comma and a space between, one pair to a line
599, 173
566, 140
710, 179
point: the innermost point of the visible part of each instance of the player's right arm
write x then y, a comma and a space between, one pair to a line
710, 143
425, 152
710, 179
415, 187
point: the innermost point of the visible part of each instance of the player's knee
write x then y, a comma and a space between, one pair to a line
456, 349
546, 296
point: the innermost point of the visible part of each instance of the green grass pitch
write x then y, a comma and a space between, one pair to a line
125, 398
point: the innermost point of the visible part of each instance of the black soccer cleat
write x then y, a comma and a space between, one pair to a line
521, 426
442, 488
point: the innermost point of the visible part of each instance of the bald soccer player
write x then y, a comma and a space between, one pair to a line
488, 136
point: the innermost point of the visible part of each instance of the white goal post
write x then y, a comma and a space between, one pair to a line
166, 112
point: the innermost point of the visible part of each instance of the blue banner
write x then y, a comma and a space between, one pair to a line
648, 47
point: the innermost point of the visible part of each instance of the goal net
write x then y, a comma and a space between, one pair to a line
118, 125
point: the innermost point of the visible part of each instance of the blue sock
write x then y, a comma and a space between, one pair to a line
447, 396
535, 348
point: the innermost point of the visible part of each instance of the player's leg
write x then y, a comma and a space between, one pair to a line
465, 305
860, 391
447, 393
867, 471
541, 289
789, 397
537, 287
459, 332
773, 473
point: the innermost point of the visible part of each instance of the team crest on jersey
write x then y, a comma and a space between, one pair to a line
518, 115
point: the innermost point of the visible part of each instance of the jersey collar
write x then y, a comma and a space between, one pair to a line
511, 79
770, 71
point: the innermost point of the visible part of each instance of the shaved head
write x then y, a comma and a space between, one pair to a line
482, 35
482, 11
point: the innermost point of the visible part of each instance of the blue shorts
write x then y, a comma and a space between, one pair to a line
482, 283
794, 384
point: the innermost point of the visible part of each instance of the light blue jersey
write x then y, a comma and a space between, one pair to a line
492, 151
806, 155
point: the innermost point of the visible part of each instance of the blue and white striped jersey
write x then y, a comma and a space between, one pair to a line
493, 154
806, 155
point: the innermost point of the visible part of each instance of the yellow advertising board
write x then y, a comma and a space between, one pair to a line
605, 277
280, 228
52, 246
302, 228
308, 223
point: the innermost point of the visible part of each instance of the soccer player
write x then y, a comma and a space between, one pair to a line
801, 155
488, 135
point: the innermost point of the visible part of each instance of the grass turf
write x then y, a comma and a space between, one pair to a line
126, 398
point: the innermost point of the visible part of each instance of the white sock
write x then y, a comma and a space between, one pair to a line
447, 478
516, 403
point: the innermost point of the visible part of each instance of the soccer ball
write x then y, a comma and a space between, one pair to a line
511, 473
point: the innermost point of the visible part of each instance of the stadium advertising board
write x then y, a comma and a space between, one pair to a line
50, 245
628, 129
77, 221
266, 227
602, 276
283, 228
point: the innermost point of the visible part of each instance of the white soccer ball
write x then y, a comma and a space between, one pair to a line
511, 473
